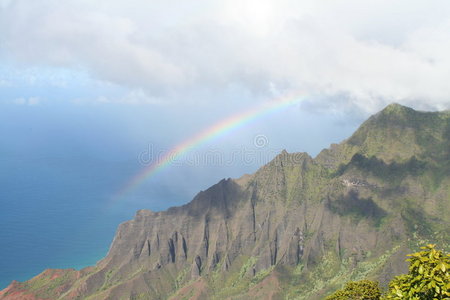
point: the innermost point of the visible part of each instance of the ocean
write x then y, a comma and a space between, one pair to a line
62, 212
52, 215
60, 168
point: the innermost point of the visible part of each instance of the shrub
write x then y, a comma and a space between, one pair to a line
358, 290
428, 277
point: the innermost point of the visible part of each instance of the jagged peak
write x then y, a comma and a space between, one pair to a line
395, 108
396, 116
398, 112
396, 133
394, 111
145, 212
244, 179
142, 213
285, 156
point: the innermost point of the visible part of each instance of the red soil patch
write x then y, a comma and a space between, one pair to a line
13, 292
194, 290
267, 289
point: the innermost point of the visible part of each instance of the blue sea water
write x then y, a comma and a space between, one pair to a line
59, 171
57, 213
52, 215
62, 212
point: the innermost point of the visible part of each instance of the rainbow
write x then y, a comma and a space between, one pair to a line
219, 129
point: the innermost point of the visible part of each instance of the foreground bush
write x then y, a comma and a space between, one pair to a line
358, 290
428, 279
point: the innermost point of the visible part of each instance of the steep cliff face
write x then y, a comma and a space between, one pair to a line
297, 228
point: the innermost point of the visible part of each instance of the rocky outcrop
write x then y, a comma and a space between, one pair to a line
302, 223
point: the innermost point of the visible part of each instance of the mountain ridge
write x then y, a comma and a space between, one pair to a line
295, 229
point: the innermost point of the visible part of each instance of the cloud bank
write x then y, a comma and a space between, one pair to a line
351, 53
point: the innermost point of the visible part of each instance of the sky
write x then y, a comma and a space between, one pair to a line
112, 80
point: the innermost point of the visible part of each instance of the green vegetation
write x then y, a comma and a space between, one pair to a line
428, 279
46, 285
359, 208
358, 290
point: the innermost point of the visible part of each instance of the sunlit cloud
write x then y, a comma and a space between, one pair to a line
137, 96
366, 55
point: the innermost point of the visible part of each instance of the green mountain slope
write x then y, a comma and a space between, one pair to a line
296, 229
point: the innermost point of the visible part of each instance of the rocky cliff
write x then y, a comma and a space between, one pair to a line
296, 229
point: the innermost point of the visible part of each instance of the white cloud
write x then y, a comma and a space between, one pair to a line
365, 53
135, 96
